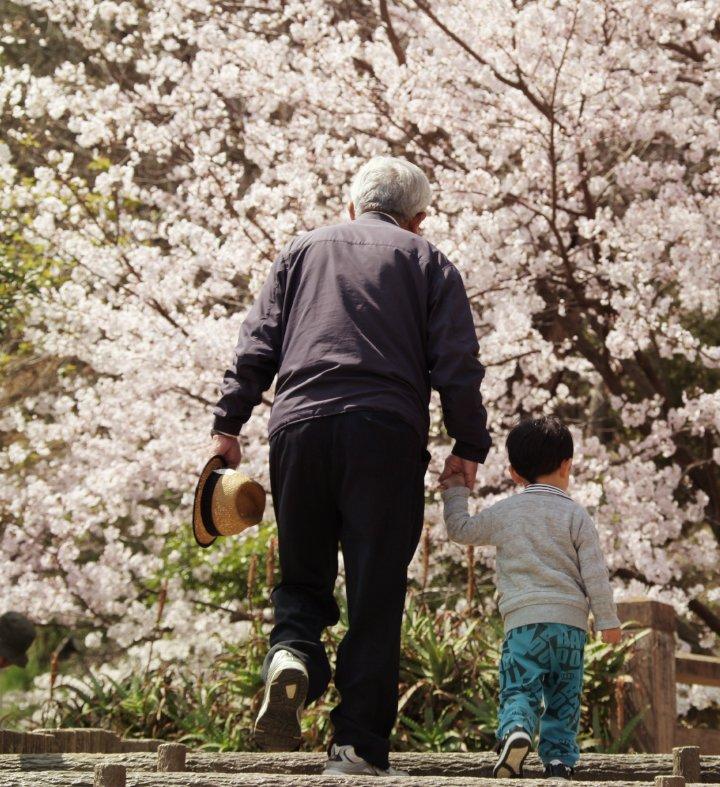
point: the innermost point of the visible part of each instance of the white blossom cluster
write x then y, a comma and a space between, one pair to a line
161, 153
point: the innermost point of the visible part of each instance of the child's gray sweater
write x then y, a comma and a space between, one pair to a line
550, 567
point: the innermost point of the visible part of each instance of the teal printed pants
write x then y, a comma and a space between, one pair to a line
542, 664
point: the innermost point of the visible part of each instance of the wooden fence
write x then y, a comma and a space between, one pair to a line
656, 668
73, 740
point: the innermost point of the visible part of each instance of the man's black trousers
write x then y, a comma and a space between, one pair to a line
356, 481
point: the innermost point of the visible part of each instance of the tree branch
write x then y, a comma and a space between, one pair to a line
518, 83
391, 34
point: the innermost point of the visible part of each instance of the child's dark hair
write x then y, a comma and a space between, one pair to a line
537, 446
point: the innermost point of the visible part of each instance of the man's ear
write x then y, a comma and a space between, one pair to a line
415, 222
516, 477
351, 211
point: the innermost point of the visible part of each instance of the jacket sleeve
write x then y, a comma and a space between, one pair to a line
257, 356
595, 575
455, 371
461, 527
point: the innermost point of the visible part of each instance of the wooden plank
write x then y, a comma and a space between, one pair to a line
92, 740
12, 742
701, 670
592, 768
707, 740
652, 666
55, 779
38, 743
647, 613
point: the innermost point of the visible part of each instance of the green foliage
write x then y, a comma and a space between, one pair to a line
448, 672
210, 712
448, 692
240, 573
48, 639
14, 681
448, 680
24, 271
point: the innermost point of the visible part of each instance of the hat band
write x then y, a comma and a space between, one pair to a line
206, 504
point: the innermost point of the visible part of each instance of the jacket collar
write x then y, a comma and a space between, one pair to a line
378, 216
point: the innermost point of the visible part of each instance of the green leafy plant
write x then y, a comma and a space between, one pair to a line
448, 692
448, 670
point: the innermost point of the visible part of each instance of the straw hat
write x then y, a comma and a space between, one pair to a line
226, 502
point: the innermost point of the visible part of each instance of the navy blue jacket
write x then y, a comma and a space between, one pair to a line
360, 316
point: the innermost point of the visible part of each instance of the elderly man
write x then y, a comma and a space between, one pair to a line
358, 320
16, 635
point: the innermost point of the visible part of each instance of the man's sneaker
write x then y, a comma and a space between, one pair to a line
342, 761
512, 751
277, 727
558, 770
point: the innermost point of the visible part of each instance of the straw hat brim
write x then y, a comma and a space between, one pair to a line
203, 536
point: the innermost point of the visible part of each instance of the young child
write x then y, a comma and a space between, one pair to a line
550, 573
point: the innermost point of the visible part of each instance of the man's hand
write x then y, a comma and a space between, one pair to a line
454, 464
228, 448
611, 636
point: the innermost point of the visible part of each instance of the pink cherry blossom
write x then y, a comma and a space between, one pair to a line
159, 155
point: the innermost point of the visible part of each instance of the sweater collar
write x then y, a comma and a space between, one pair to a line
547, 489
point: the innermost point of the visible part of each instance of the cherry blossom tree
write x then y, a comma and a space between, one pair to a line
158, 155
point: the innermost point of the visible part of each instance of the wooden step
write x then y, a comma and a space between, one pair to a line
593, 767
138, 779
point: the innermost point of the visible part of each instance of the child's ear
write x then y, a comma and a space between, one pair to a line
516, 477
566, 468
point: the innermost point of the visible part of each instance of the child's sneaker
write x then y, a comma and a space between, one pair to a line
277, 727
343, 761
557, 770
512, 751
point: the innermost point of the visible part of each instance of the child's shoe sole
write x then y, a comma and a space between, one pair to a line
277, 727
512, 756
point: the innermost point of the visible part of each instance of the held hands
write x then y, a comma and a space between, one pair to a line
611, 636
457, 479
454, 465
228, 448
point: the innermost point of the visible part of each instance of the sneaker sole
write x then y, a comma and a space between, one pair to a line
278, 728
510, 764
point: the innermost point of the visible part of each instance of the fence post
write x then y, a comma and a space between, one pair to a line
171, 757
110, 776
652, 668
686, 763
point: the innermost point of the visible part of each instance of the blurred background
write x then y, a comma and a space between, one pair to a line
154, 157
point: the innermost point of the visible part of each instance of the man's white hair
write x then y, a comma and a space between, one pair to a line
390, 185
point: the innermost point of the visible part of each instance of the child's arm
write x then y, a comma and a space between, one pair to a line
595, 576
461, 527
